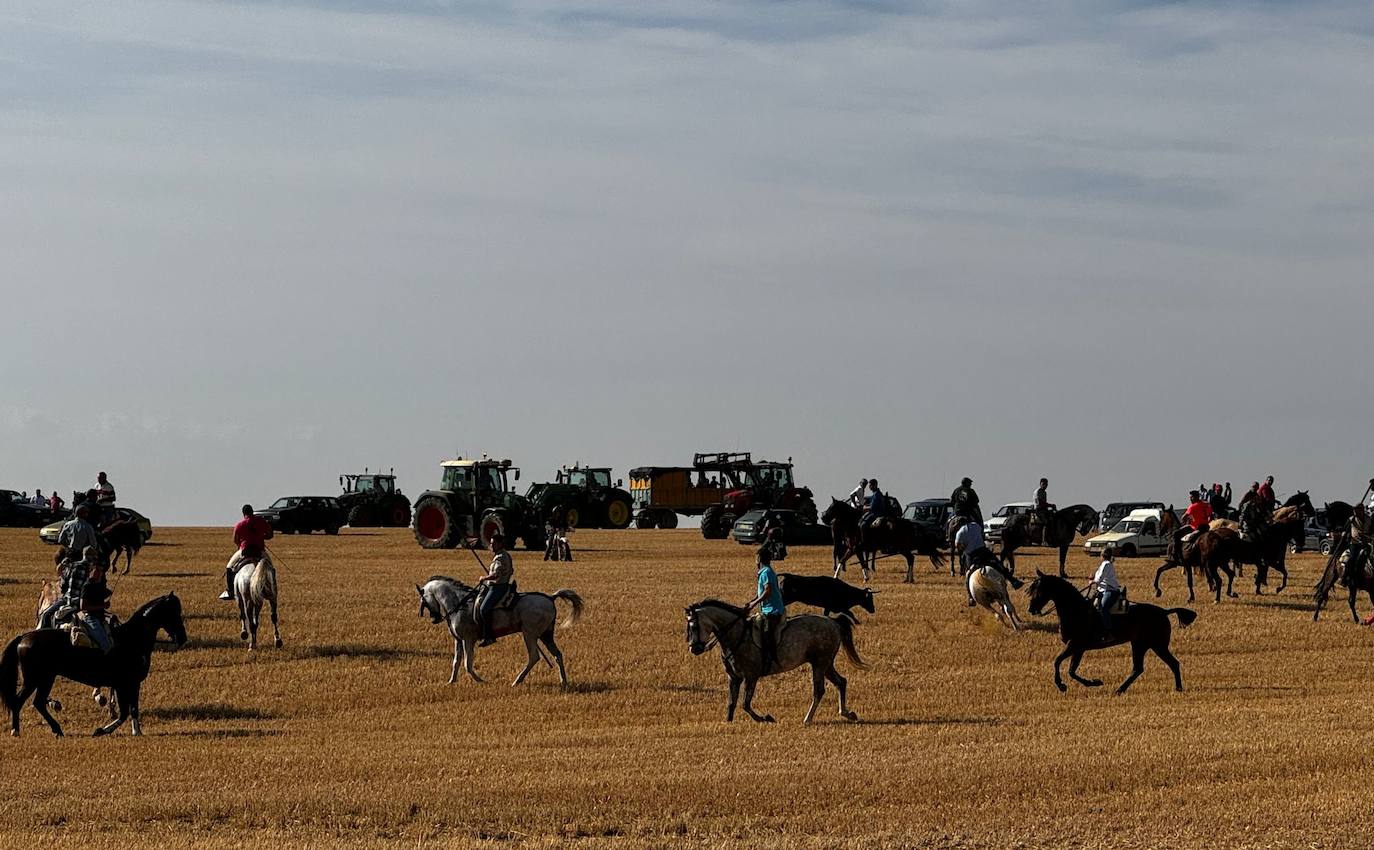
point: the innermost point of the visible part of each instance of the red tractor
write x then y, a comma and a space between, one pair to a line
766, 484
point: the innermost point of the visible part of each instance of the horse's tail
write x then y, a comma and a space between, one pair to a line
1186, 616
577, 603
264, 583
9, 674
847, 641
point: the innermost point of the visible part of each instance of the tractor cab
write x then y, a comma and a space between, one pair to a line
585, 477
368, 483
484, 482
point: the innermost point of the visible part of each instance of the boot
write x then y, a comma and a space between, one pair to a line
228, 594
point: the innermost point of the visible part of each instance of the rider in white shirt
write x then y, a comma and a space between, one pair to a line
1108, 589
858, 495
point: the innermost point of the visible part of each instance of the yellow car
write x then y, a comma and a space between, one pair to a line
48, 533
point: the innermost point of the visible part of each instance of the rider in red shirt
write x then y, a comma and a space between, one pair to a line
1199, 513
250, 535
1266, 493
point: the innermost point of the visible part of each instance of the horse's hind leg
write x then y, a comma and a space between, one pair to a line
532, 647
276, 632
817, 692
749, 700
243, 616
1137, 666
254, 616
548, 640
910, 569
1168, 658
1283, 571
18, 705
1063, 556
842, 686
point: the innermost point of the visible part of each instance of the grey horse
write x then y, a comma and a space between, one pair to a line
533, 615
806, 639
254, 583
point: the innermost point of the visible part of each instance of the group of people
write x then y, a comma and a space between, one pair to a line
52, 501
82, 560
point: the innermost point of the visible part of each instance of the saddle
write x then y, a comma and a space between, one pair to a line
507, 601
1122, 602
75, 627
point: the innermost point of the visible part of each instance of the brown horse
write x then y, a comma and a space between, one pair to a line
1144, 627
1345, 557
44, 654
890, 535
1059, 532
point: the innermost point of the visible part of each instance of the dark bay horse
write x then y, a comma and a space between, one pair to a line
1215, 550
117, 536
1059, 533
44, 654
808, 639
890, 536
1145, 627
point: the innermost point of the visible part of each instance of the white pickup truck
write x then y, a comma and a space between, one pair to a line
1136, 534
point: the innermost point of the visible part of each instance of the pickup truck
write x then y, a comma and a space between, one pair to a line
1136, 534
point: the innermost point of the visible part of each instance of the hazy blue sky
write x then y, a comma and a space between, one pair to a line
249, 246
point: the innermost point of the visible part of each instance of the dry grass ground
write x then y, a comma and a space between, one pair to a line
349, 736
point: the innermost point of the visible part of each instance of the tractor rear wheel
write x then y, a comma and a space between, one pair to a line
618, 513
667, 519
492, 525
360, 516
400, 515
645, 519
713, 523
807, 511
435, 525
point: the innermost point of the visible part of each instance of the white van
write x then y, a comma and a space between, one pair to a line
1136, 534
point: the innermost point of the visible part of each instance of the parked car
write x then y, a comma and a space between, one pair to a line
992, 529
932, 513
796, 531
1117, 511
1317, 535
304, 514
1136, 534
16, 511
48, 533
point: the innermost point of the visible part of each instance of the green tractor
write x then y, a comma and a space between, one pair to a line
371, 499
587, 493
473, 502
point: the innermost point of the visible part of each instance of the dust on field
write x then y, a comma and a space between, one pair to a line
349, 736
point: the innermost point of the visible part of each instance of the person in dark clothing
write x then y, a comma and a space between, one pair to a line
877, 504
964, 501
557, 548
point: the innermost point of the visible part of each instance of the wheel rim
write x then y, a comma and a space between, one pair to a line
572, 517
401, 515
430, 522
618, 513
490, 527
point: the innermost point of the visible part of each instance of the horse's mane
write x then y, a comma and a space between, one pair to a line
449, 579
148, 606
716, 603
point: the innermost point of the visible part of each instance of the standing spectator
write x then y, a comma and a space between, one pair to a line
55, 503
38, 501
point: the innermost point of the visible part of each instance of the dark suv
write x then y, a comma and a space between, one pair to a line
304, 514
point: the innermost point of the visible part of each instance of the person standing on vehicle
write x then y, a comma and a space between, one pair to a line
964, 501
55, 503
38, 500
250, 535
104, 513
494, 585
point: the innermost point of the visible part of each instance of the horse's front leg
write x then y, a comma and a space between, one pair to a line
124, 702
817, 692
1063, 556
1230, 580
1058, 680
748, 702
1073, 672
910, 568
734, 698
133, 713
469, 650
1163, 568
1353, 615
457, 657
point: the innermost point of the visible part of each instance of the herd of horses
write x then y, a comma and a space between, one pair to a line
40, 656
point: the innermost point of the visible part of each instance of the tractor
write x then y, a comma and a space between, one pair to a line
371, 499
474, 501
588, 496
766, 484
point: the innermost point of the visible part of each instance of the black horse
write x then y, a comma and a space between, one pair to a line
116, 536
1145, 627
1059, 532
890, 536
44, 654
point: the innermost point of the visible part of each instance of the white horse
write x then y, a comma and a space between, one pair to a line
254, 583
532, 616
989, 589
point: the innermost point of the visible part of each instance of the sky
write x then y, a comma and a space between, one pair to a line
249, 246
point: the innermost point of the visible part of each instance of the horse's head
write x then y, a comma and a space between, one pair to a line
696, 641
165, 613
1302, 502
836, 510
1038, 592
429, 605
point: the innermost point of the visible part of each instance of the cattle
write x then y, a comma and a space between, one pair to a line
829, 594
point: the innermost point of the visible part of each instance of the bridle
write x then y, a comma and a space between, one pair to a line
719, 637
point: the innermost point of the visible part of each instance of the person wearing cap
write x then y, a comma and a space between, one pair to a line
772, 611
78, 534
494, 586
964, 501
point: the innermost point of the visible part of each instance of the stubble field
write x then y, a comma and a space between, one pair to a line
349, 736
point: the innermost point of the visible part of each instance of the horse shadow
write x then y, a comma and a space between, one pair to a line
174, 575
206, 711
582, 687
221, 733
195, 643
932, 721
359, 650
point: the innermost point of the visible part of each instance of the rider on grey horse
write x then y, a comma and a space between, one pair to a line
250, 535
494, 586
772, 611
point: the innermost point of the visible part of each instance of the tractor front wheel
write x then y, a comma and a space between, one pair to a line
713, 525
400, 515
618, 513
492, 525
435, 525
360, 517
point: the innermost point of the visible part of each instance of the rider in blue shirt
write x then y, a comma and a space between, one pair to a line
772, 611
877, 503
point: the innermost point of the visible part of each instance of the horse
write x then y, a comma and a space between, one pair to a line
807, 639
1063, 526
117, 537
533, 615
1336, 567
989, 589
254, 583
1145, 627
44, 654
890, 535
1217, 548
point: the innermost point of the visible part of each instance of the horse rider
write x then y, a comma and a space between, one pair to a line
1217, 501
105, 498
557, 548
1197, 516
1041, 503
493, 586
969, 542
856, 496
1355, 559
1266, 493
76, 574
876, 506
773, 539
772, 612
1108, 589
1251, 495
250, 536
77, 534
94, 608
964, 501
